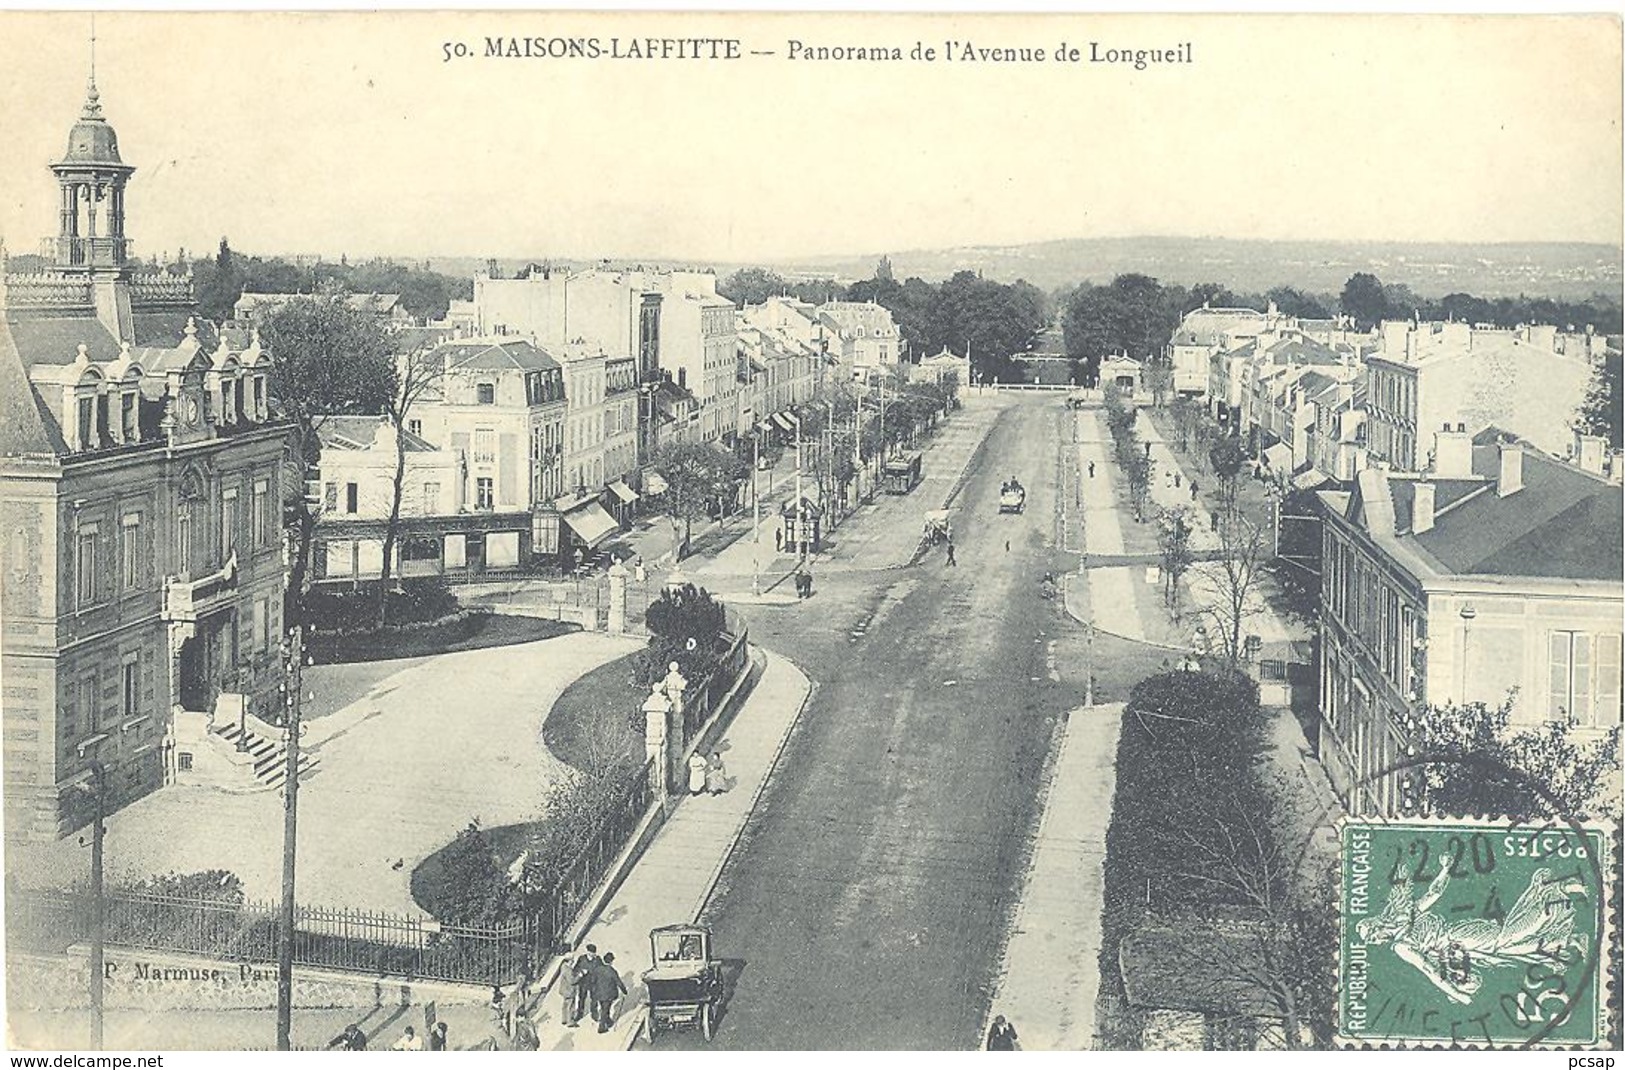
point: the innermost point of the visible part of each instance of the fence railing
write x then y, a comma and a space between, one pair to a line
701, 700
563, 902
371, 942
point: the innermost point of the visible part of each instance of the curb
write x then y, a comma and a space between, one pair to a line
642, 1012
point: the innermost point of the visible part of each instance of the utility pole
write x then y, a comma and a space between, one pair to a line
98, 907
801, 512
756, 504
294, 655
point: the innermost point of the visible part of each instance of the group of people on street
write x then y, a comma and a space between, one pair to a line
803, 583
707, 775
590, 983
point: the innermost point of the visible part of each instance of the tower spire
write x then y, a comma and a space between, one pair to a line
93, 102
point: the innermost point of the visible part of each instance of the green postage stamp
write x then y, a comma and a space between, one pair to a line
1486, 934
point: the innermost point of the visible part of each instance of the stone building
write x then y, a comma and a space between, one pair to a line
140, 504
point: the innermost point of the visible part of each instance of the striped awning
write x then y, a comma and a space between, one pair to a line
623, 492
784, 422
592, 524
1308, 478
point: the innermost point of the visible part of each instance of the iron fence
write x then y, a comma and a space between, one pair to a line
564, 901
361, 941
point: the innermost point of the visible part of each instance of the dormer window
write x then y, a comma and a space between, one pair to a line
485, 393
86, 423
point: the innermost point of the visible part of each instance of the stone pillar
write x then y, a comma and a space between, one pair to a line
656, 715
674, 685
617, 599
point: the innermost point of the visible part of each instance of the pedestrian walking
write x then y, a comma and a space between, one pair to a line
1091, 469
410, 1041
351, 1039
696, 773
951, 562
1002, 1035
607, 987
1177, 478
716, 774
639, 572
778, 540
437, 1037
584, 966
806, 581
568, 989
1193, 490
1006, 545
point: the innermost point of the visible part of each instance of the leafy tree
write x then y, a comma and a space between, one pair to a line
1474, 761
218, 284
1600, 411
752, 286
1292, 302
1134, 315
1227, 459
883, 270
1364, 299
214, 885
327, 360
698, 476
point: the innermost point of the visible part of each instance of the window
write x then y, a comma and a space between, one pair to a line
87, 421
183, 541
259, 395
132, 689
261, 516
89, 703
482, 493
85, 565
485, 393
129, 549
228, 522
351, 496
260, 626
330, 497
415, 426
1585, 679
128, 419
431, 498
485, 445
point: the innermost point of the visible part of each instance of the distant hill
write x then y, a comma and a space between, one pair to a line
1564, 270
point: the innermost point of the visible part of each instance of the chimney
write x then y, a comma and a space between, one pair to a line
1452, 454
1588, 452
1511, 480
1395, 337
1422, 508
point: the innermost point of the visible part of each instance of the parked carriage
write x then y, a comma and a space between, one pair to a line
1012, 496
685, 984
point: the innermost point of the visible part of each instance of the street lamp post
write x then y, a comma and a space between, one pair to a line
756, 506
801, 513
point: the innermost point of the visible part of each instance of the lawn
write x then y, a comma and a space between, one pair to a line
602, 700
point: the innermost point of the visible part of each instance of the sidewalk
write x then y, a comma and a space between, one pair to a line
1051, 973
674, 878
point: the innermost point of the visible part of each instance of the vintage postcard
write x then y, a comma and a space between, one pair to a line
571, 531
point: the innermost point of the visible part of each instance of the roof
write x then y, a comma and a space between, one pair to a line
361, 433
486, 355
92, 141
411, 339
1297, 350
1208, 326
26, 427
1564, 522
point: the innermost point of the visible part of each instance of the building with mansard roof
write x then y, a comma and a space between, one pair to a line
140, 504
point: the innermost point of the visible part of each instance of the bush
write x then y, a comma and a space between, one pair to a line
686, 626
213, 885
420, 600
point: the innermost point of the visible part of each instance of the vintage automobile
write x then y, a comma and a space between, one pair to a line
685, 984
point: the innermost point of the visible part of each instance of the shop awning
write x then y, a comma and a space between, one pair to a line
653, 482
591, 523
1279, 457
623, 492
784, 422
1308, 478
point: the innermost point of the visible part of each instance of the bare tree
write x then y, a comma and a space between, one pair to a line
1174, 545
1235, 576
417, 374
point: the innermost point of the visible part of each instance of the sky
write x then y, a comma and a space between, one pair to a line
353, 134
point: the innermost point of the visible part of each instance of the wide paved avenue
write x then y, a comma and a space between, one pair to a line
869, 898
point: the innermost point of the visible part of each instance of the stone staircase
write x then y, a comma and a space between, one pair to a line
266, 757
